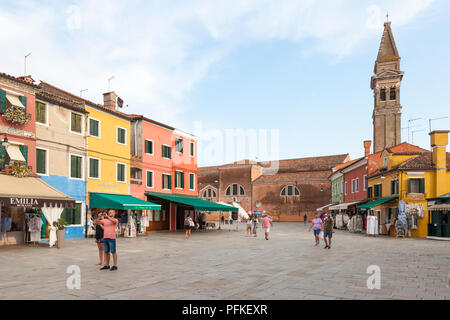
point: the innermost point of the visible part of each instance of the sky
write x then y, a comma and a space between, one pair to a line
296, 72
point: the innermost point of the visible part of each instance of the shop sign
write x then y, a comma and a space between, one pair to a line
23, 202
32, 202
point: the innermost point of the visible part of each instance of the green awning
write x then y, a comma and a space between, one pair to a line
197, 203
376, 203
120, 202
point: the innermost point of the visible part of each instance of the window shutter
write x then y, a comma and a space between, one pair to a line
409, 185
77, 213
2, 157
170, 182
24, 150
2, 101
422, 186
182, 180
23, 99
163, 185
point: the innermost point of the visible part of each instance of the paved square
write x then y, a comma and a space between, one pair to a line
227, 265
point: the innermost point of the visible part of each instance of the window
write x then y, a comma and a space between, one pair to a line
366, 182
121, 173
76, 167
346, 187
290, 191
75, 123
394, 187
94, 168
166, 181
416, 185
94, 128
235, 190
150, 181
377, 191
383, 95
179, 179
353, 186
166, 152
357, 185
121, 135
393, 94
136, 174
192, 181
369, 193
41, 112
191, 149
209, 193
72, 215
179, 145
148, 146
41, 161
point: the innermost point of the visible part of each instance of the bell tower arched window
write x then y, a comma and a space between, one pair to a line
383, 95
393, 94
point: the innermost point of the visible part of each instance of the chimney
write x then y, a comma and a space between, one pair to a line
110, 100
27, 79
439, 142
367, 145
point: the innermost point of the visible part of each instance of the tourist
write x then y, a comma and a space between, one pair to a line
249, 227
188, 225
316, 225
328, 230
109, 238
266, 223
304, 219
255, 225
99, 239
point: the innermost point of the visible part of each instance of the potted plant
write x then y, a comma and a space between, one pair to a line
60, 233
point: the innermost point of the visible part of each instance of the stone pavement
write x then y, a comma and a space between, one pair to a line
227, 265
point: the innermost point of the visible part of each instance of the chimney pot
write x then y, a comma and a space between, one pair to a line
110, 100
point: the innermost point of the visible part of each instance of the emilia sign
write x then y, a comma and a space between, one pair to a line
32, 202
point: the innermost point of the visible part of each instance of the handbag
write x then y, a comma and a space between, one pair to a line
191, 223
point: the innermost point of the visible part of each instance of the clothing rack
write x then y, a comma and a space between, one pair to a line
27, 233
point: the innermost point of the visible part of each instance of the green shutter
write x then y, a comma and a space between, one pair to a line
2, 101
2, 157
409, 186
182, 180
40, 161
24, 150
23, 99
170, 182
77, 214
422, 185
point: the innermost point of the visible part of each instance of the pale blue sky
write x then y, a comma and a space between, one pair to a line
302, 67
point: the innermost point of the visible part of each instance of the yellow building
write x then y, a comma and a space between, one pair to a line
411, 177
108, 159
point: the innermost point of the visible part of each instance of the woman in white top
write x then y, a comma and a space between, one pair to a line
249, 227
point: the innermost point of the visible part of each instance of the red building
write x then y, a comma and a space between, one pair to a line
18, 94
163, 163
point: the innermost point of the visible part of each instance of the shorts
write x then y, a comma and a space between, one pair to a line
99, 240
109, 245
267, 230
328, 233
317, 232
188, 227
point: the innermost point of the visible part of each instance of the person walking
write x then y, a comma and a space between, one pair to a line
316, 225
99, 240
304, 219
328, 230
109, 238
188, 225
249, 227
255, 225
266, 223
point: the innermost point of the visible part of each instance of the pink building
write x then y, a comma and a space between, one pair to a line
163, 162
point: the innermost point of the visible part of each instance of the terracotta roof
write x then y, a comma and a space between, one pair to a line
310, 162
60, 100
346, 164
18, 79
141, 117
68, 95
293, 176
423, 161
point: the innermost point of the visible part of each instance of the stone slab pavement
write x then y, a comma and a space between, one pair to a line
226, 264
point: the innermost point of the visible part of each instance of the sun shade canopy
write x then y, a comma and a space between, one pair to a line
120, 202
30, 192
14, 153
14, 100
343, 206
197, 203
376, 203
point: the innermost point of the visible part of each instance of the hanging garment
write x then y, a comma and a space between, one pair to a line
359, 223
34, 227
52, 214
399, 228
6, 225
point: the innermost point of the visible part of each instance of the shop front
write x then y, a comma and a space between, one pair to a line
134, 214
181, 206
27, 206
379, 215
439, 218
343, 212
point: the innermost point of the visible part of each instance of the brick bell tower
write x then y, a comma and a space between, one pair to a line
385, 84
